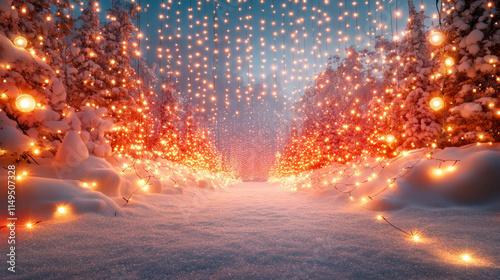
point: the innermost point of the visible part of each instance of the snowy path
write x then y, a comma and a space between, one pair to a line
257, 231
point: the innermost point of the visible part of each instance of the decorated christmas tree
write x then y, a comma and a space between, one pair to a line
86, 56
419, 124
470, 71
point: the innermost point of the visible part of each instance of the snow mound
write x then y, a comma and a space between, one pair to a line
83, 183
475, 182
40, 198
465, 176
13, 140
72, 149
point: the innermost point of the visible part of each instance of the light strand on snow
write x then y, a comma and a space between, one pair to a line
27, 225
137, 167
319, 181
411, 233
383, 164
143, 180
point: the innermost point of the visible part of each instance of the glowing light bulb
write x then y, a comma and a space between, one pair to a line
436, 38
436, 103
25, 103
449, 61
390, 138
21, 42
466, 258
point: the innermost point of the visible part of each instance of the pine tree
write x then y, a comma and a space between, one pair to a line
43, 126
46, 24
421, 126
123, 94
197, 148
84, 84
331, 110
383, 116
120, 46
167, 114
471, 90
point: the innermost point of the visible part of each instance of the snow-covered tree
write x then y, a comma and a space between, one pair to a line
46, 24
331, 111
383, 116
34, 127
420, 125
120, 49
167, 115
197, 148
83, 79
123, 97
472, 89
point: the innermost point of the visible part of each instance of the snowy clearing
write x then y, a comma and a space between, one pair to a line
260, 231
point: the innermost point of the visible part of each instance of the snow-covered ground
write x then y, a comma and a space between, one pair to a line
259, 231
195, 225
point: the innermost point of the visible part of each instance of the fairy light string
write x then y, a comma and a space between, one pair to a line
413, 234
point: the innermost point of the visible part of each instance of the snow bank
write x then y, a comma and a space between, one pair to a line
71, 149
83, 183
13, 141
40, 198
450, 177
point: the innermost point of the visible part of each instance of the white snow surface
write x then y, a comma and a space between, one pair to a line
72, 149
259, 230
466, 110
474, 37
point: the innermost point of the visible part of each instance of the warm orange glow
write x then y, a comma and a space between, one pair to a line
449, 61
436, 38
390, 139
62, 209
21, 42
25, 103
466, 258
436, 103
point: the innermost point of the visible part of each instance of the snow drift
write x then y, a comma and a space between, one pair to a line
447, 177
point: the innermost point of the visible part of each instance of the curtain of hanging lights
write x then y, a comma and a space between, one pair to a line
243, 64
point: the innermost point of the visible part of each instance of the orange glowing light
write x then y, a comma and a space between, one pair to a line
62, 209
21, 42
449, 62
25, 103
437, 103
436, 38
